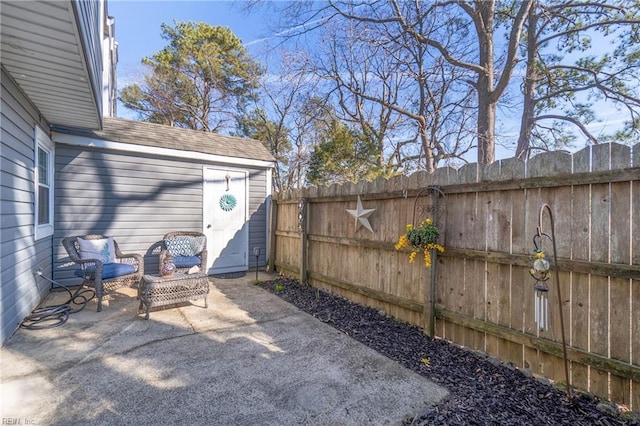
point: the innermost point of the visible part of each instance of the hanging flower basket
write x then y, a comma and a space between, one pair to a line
422, 238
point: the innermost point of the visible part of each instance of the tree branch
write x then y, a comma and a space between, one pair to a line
512, 51
571, 120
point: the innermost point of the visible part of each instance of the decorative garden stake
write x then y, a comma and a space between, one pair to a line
256, 253
540, 272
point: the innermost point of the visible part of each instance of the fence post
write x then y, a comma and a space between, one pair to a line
429, 305
273, 228
302, 227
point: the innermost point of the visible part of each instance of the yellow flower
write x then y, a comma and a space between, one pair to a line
412, 256
435, 246
403, 241
540, 255
409, 227
425, 361
427, 257
428, 221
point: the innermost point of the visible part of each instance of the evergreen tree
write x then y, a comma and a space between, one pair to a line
201, 80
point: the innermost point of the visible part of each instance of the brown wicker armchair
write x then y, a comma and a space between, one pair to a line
188, 249
123, 270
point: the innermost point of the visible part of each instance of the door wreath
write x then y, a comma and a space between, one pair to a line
228, 202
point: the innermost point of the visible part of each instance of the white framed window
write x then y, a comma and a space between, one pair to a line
43, 181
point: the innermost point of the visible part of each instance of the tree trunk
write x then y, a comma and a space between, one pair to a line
528, 111
429, 160
485, 88
486, 129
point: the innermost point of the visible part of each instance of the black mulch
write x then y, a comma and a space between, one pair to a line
483, 391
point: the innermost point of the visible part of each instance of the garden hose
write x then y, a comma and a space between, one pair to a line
56, 315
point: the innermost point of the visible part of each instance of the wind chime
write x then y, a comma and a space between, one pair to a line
540, 272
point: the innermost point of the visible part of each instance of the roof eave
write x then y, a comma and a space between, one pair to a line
44, 50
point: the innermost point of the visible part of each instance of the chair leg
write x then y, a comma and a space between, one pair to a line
98, 289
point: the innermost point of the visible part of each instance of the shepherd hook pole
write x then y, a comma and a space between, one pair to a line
557, 273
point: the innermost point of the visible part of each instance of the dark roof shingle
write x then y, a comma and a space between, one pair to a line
161, 136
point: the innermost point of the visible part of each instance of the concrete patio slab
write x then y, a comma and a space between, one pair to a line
250, 358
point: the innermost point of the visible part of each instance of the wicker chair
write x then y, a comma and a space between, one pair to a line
184, 261
96, 274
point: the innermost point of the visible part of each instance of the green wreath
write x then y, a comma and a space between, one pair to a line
228, 202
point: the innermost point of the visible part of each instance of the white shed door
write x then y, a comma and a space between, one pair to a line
225, 220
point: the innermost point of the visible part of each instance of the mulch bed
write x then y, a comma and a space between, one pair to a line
483, 391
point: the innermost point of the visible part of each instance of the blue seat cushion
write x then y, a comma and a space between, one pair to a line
109, 270
186, 261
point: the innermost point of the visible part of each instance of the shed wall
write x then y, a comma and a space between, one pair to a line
258, 215
136, 199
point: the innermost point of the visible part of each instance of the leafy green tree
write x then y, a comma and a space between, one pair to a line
201, 80
342, 155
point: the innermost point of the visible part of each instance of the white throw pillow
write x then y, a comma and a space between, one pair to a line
197, 245
102, 249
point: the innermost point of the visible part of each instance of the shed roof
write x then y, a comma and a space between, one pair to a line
161, 136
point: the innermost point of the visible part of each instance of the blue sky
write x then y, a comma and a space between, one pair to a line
138, 29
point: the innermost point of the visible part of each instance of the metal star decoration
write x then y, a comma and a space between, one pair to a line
361, 215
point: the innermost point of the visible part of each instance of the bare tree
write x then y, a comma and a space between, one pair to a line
415, 107
449, 22
286, 120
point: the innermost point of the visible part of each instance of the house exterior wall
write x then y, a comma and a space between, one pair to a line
20, 253
137, 198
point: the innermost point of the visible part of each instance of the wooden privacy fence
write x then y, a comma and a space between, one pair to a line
483, 293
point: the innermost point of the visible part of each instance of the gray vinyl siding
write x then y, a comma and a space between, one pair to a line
20, 254
257, 216
136, 198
